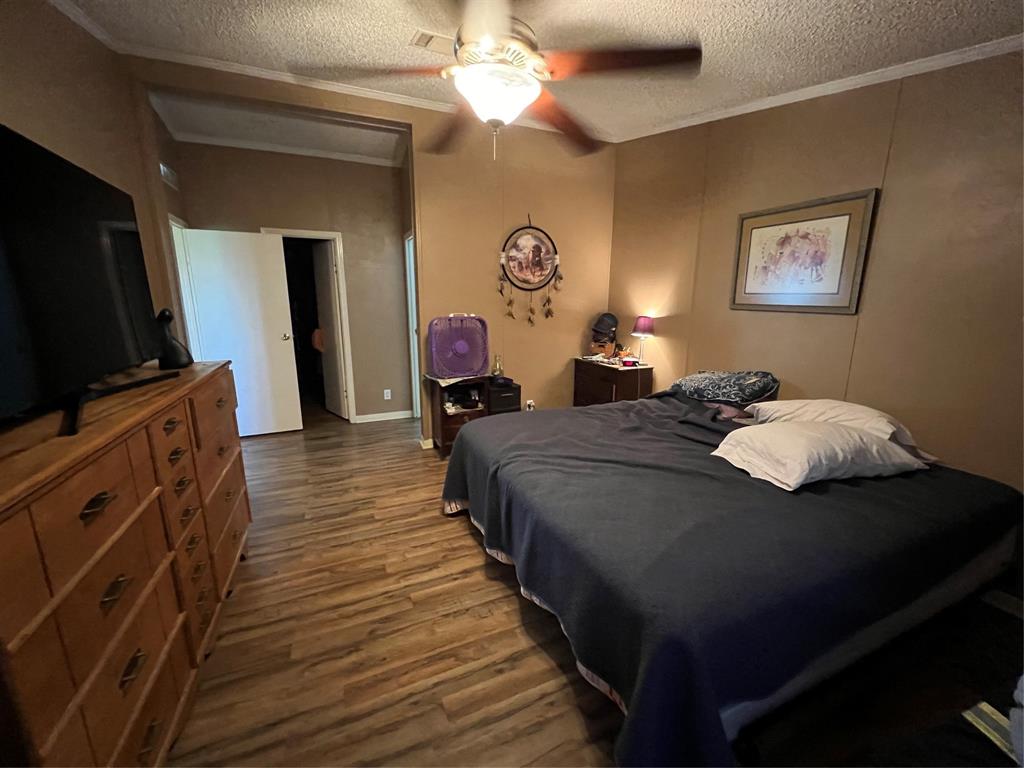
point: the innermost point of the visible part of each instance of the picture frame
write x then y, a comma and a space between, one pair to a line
529, 258
806, 257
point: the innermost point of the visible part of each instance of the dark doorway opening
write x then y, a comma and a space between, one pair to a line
298, 264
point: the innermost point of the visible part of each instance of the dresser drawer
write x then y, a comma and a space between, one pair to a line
179, 660
23, 590
41, 680
180, 518
91, 614
221, 501
173, 455
451, 425
144, 739
193, 560
74, 519
177, 487
216, 455
213, 408
71, 747
121, 680
230, 546
200, 611
167, 433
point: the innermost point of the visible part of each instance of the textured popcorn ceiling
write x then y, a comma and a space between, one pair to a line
208, 121
753, 49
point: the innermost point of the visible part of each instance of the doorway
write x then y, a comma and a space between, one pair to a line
414, 345
306, 333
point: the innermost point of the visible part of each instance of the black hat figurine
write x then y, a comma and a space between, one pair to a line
173, 354
604, 327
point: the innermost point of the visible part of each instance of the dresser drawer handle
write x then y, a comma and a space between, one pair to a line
149, 741
201, 597
182, 485
132, 669
175, 456
187, 514
221, 451
114, 592
236, 535
96, 505
193, 542
171, 424
197, 571
221, 402
229, 494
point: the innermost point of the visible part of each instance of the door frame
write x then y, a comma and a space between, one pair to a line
412, 311
341, 291
190, 318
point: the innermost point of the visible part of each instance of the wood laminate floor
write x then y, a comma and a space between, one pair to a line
366, 628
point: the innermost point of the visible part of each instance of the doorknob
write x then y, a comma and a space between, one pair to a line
285, 336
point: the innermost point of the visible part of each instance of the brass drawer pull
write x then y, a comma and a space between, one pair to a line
197, 571
175, 456
171, 424
114, 592
187, 514
229, 494
182, 485
221, 402
201, 597
96, 505
132, 669
149, 741
236, 535
193, 542
221, 451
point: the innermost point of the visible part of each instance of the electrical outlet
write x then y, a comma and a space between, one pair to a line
387, 394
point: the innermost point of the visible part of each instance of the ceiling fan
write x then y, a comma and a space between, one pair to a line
501, 72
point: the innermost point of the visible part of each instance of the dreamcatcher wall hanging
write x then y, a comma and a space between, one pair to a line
529, 262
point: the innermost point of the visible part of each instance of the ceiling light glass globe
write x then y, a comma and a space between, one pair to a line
498, 93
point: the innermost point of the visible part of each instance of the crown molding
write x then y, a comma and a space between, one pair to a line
267, 146
895, 72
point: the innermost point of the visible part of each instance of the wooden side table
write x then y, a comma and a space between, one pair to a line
595, 383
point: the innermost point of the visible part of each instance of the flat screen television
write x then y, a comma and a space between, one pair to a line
75, 304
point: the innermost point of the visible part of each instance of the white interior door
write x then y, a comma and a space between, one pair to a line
240, 297
414, 344
328, 309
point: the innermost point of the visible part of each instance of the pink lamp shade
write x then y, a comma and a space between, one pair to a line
643, 327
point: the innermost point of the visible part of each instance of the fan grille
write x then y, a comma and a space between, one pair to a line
457, 346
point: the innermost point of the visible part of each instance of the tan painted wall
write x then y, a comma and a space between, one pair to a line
465, 204
64, 90
244, 190
937, 341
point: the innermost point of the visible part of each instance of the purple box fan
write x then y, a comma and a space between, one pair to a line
457, 345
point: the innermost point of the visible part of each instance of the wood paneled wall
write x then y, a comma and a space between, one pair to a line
937, 341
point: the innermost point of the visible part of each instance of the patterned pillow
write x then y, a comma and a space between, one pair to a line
737, 387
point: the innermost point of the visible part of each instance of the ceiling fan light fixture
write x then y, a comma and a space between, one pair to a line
498, 93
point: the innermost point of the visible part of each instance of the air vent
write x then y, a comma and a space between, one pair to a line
169, 176
433, 42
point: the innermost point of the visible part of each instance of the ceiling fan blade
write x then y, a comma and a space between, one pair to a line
547, 109
393, 71
563, 64
446, 138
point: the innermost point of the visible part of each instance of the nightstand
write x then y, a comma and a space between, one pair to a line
467, 399
595, 382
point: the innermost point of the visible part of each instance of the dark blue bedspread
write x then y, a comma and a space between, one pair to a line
688, 585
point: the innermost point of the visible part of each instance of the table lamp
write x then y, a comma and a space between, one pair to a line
643, 328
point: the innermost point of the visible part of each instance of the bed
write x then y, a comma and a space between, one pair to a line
695, 596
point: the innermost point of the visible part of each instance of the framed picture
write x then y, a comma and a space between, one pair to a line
807, 257
529, 258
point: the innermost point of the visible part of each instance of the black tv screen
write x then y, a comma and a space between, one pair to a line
74, 296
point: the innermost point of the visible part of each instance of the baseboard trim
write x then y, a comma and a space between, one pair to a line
426, 445
389, 416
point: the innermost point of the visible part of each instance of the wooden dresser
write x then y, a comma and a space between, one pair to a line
117, 548
595, 383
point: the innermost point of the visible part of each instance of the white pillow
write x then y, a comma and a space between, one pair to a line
793, 453
833, 412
